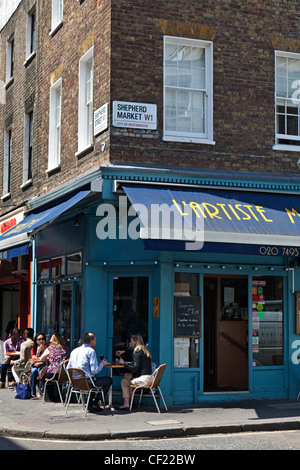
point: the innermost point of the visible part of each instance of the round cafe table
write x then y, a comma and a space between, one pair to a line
111, 366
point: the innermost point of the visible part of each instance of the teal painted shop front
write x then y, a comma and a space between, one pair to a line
245, 345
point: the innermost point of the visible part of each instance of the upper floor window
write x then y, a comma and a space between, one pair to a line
10, 58
54, 125
31, 33
188, 89
7, 162
28, 148
287, 96
85, 101
57, 13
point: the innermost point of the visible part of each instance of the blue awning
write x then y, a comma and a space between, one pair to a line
227, 217
14, 252
19, 234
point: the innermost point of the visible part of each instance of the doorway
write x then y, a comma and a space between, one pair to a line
225, 333
130, 310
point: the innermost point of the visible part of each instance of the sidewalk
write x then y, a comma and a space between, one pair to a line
33, 418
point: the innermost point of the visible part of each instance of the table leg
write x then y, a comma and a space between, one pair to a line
110, 389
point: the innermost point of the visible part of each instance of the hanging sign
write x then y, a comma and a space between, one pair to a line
134, 115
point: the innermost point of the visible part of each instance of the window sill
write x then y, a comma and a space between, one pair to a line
191, 140
54, 168
26, 184
9, 82
287, 148
84, 150
5, 196
57, 27
29, 59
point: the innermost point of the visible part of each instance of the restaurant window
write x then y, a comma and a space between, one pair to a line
267, 321
59, 285
187, 311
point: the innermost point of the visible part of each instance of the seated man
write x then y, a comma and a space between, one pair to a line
20, 365
84, 357
11, 345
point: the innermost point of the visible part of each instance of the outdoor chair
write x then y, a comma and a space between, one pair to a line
152, 384
80, 386
61, 379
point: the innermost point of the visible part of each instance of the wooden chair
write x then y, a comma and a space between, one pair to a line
61, 379
152, 384
80, 386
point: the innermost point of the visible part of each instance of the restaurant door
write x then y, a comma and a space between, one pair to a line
130, 310
225, 333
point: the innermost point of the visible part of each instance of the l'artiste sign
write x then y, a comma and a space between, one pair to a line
134, 115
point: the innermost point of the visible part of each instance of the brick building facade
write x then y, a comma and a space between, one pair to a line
222, 81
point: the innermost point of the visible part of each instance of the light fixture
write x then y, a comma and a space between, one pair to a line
77, 220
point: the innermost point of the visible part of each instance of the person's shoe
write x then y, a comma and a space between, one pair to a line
94, 409
2, 385
123, 408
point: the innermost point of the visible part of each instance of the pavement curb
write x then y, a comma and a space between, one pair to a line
156, 433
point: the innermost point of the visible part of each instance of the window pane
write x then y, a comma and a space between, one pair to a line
170, 113
292, 125
198, 57
198, 79
267, 321
281, 87
184, 77
74, 264
184, 111
186, 350
171, 55
198, 112
184, 56
47, 304
58, 267
294, 68
281, 66
171, 76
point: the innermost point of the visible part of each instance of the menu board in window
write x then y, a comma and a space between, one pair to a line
187, 316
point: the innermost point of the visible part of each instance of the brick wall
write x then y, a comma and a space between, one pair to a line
128, 65
245, 35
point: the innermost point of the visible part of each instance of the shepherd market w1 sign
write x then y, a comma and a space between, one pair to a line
137, 115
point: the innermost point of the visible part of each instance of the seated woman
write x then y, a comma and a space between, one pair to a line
55, 354
40, 346
23, 364
140, 367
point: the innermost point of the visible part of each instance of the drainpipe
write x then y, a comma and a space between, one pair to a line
33, 285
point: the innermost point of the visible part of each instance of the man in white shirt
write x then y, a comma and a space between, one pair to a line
84, 357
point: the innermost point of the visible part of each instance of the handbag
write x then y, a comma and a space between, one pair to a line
23, 390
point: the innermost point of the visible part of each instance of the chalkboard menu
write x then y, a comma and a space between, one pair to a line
187, 316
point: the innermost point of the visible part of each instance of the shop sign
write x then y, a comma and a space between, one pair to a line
134, 115
101, 119
156, 307
10, 222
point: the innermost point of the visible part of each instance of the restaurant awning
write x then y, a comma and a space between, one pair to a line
20, 233
227, 217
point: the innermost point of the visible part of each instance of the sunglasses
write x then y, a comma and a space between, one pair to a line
41, 339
